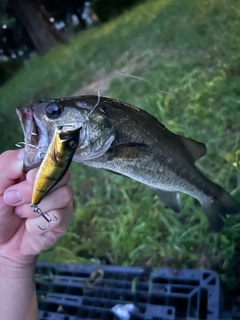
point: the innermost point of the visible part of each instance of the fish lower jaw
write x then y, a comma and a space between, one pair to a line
43, 144
36, 145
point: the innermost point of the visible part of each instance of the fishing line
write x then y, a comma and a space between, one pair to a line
121, 74
99, 94
19, 145
149, 83
142, 79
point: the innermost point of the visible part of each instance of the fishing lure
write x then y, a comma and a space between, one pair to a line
54, 165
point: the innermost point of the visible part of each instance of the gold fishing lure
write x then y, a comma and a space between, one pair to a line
54, 165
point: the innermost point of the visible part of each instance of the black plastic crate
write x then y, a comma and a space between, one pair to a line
71, 292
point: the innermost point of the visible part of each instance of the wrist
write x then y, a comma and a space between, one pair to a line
17, 288
16, 270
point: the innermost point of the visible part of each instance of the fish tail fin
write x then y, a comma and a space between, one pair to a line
214, 217
218, 207
227, 204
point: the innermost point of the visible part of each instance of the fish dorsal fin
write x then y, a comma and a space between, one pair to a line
196, 149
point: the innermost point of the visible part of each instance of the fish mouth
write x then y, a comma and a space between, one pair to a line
35, 138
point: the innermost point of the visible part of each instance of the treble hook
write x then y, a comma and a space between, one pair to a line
48, 223
46, 216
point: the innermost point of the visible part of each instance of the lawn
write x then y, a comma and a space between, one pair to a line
185, 65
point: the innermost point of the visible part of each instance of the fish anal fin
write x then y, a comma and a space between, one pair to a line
196, 148
127, 150
170, 199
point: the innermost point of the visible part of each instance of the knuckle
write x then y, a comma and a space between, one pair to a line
24, 211
66, 194
3, 205
68, 175
31, 175
4, 159
66, 178
20, 211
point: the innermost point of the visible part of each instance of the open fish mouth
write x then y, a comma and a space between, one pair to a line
35, 138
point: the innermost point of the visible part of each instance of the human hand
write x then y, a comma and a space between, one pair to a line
21, 240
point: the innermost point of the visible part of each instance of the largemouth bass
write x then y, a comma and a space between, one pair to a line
118, 137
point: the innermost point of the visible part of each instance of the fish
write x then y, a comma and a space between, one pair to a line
56, 162
126, 140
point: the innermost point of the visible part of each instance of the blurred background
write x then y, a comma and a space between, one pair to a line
184, 57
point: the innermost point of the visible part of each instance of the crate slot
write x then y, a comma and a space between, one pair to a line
89, 292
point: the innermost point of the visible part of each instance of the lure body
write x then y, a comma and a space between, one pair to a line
56, 161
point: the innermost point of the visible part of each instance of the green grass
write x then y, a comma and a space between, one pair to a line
188, 52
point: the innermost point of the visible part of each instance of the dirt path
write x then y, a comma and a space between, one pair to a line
101, 81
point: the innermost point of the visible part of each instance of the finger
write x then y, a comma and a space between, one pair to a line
21, 193
11, 168
9, 223
60, 219
18, 194
56, 199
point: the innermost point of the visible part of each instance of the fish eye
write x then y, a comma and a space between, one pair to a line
53, 111
72, 144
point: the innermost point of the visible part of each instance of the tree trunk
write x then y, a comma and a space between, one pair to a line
36, 22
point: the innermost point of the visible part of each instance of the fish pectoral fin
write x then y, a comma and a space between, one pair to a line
196, 149
130, 150
170, 199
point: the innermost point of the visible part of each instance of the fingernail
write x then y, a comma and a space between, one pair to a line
12, 197
20, 154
